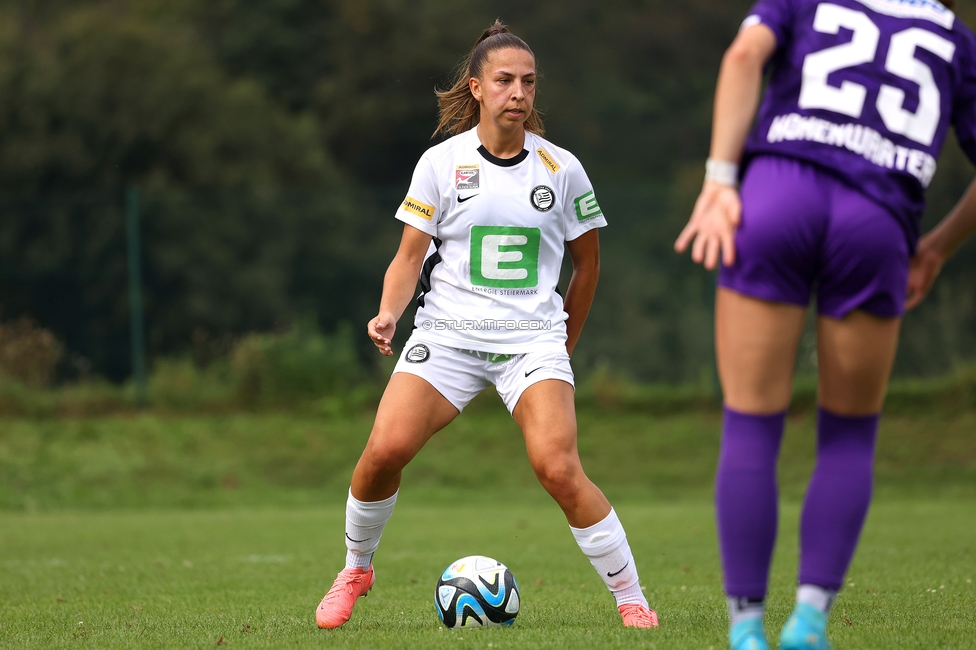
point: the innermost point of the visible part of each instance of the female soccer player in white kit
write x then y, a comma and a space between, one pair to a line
861, 96
487, 217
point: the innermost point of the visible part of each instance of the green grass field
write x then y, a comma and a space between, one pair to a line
157, 531
254, 577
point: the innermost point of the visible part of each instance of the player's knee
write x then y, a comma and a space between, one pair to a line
560, 476
383, 458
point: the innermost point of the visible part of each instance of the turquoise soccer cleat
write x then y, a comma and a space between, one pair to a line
806, 629
748, 635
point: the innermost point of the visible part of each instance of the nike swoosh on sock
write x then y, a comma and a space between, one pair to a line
611, 575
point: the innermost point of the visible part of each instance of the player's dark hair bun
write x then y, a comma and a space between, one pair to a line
497, 28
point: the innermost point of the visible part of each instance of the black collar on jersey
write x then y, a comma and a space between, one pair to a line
503, 162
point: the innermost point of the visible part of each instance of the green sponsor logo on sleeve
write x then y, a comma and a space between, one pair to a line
505, 256
587, 207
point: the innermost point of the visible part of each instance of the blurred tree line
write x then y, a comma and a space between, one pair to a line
271, 140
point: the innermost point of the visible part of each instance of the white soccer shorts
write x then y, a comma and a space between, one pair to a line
459, 375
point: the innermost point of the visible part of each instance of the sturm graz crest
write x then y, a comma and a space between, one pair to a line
542, 198
417, 354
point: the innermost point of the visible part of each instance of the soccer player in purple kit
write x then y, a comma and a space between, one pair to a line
860, 96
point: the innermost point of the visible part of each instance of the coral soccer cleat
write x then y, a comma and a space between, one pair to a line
636, 615
336, 608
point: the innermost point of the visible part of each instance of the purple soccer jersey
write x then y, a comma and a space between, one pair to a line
868, 89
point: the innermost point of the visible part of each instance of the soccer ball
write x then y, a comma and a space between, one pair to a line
477, 591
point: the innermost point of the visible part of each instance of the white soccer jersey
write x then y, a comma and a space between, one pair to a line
499, 227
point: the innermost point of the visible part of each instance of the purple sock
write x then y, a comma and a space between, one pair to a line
746, 500
838, 497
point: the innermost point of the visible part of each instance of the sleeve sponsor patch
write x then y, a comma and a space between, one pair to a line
420, 209
547, 160
587, 207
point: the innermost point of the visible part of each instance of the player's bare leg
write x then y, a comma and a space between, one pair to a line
546, 413
755, 348
856, 354
410, 412
756, 344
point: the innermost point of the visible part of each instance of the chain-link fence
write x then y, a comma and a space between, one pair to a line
220, 264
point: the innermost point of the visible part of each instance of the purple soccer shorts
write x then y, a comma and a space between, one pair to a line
803, 229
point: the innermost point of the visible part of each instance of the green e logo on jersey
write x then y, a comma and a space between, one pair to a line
505, 256
587, 207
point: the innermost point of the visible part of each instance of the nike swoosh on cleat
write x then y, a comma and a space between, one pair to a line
460, 200
611, 575
531, 371
360, 541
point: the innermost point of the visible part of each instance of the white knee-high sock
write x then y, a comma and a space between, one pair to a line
365, 521
605, 544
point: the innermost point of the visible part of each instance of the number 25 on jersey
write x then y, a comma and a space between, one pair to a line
849, 97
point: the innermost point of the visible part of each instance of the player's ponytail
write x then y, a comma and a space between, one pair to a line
949, 4
458, 110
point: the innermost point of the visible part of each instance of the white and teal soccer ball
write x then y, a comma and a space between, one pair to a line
477, 591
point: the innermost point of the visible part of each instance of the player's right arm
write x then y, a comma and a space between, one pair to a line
941, 242
711, 229
399, 286
938, 246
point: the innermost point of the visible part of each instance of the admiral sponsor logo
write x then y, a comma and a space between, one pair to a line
587, 207
547, 160
418, 208
466, 177
542, 198
417, 354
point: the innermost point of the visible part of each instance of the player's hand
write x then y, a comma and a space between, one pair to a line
380, 331
922, 271
717, 213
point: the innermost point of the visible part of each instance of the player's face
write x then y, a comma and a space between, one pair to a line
506, 89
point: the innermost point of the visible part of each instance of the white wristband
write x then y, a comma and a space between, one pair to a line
722, 172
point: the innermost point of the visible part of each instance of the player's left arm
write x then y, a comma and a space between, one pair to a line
584, 251
938, 245
711, 229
